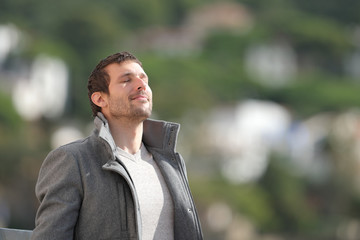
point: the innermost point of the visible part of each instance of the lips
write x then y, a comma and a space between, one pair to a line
140, 96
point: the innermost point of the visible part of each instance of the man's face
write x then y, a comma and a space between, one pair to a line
129, 95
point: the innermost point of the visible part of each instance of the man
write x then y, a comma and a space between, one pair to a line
125, 181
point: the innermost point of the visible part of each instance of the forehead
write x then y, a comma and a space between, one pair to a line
114, 69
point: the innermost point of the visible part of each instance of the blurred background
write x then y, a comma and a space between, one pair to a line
267, 94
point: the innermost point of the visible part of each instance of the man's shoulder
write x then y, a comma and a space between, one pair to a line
79, 143
76, 146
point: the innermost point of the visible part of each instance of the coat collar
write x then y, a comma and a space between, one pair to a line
157, 134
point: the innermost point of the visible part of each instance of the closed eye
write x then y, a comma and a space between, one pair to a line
127, 77
144, 77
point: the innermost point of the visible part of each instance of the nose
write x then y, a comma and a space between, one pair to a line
141, 84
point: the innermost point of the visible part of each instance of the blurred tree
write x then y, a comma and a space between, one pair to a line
287, 195
10, 127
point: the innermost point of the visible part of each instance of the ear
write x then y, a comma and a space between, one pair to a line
98, 99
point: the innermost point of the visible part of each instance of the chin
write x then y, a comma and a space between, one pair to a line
142, 114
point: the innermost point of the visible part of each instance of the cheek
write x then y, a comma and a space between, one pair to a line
149, 91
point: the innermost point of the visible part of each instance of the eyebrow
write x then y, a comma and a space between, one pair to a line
126, 74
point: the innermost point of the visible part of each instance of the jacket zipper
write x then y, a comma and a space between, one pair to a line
108, 166
187, 187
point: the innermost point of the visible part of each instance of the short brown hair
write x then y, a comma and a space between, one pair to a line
99, 79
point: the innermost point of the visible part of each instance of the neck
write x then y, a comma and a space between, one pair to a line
127, 134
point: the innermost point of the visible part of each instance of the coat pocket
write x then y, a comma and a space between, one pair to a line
127, 211
123, 206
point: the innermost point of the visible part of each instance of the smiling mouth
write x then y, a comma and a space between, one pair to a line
140, 96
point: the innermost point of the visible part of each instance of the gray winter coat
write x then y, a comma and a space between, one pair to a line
86, 193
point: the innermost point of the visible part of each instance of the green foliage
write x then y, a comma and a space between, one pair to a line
280, 202
10, 127
8, 116
345, 11
288, 197
248, 200
83, 32
317, 93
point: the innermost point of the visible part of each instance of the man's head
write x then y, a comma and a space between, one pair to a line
99, 79
118, 87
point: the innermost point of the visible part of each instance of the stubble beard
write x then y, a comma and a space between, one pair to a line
121, 110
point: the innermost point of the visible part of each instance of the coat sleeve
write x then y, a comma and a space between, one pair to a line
59, 190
